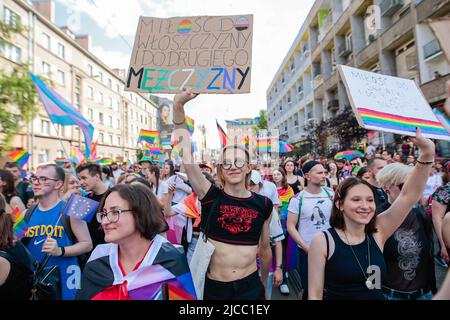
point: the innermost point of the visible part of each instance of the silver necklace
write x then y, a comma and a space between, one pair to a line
369, 283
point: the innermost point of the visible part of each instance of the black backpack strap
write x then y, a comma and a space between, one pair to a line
29, 212
328, 243
65, 220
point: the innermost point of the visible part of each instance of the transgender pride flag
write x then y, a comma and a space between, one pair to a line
61, 112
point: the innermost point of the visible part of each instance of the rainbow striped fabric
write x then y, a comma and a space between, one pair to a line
76, 155
148, 136
284, 195
285, 147
20, 156
443, 118
20, 227
190, 125
383, 120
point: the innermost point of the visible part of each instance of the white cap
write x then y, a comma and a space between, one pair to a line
256, 177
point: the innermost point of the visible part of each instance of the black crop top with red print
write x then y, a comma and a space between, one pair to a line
234, 220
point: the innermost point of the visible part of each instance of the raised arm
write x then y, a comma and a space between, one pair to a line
181, 135
392, 218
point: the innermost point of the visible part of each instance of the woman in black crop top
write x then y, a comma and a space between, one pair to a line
15, 274
295, 182
348, 259
235, 220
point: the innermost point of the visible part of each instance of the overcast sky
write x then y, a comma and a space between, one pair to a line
112, 26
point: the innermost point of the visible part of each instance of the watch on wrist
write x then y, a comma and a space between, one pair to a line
63, 251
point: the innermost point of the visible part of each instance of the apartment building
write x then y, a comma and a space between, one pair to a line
386, 36
93, 88
239, 129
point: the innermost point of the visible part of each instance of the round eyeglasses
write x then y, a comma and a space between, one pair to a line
238, 163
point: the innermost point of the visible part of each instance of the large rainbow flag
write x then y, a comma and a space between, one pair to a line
148, 136
190, 125
20, 156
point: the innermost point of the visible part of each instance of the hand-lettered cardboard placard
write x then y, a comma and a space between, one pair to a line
209, 54
390, 104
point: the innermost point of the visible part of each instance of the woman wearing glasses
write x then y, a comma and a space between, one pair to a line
348, 258
137, 263
235, 220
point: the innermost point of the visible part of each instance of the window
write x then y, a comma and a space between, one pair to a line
289, 98
100, 97
45, 127
60, 78
111, 139
91, 93
292, 66
61, 51
110, 102
119, 141
117, 88
100, 117
45, 69
44, 156
61, 131
101, 138
11, 52
100, 77
348, 41
60, 154
77, 101
110, 121
46, 42
142, 118
117, 106
11, 18
110, 83
118, 124
91, 114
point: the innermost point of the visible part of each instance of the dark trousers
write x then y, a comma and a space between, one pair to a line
248, 288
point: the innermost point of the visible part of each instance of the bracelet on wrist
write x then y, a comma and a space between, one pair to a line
63, 251
425, 162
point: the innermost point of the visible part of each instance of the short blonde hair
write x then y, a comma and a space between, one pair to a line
393, 174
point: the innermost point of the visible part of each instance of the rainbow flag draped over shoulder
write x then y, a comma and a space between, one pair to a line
190, 125
284, 195
163, 274
20, 156
20, 227
148, 136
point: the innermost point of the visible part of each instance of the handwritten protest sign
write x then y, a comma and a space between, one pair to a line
390, 104
205, 53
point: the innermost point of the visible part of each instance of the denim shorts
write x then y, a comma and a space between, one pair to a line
391, 294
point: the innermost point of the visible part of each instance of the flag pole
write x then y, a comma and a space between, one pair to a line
60, 141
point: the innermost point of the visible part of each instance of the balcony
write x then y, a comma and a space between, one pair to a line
435, 90
318, 80
389, 7
399, 32
431, 49
367, 55
333, 105
431, 9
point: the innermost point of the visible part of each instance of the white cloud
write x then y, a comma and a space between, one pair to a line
276, 24
113, 59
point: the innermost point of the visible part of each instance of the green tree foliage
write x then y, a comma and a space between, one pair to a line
18, 95
262, 124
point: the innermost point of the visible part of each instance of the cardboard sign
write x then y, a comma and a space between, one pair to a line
207, 54
441, 29
390, 104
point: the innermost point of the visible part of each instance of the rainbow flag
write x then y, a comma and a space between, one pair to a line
222, 135
284, 195
104, 161
401, 123
443, 118
60, 161
76, 155
20, 226
285, 147
246, 142
20, 156
94, 150
148, 136
190, 125
263, 145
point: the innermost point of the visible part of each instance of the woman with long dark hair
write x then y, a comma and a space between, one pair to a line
8, 190
347, 259
295, 182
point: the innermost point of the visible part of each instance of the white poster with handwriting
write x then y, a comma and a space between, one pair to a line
390, 104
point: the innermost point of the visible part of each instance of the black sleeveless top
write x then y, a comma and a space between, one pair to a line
18, 284
344, 279
295, 186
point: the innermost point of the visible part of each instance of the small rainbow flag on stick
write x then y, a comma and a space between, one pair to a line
20, 156
190, 125
148, 136
20, 227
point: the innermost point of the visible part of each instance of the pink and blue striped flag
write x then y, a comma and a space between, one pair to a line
61, 112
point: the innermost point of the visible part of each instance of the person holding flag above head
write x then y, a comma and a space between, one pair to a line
235, 222
51, 232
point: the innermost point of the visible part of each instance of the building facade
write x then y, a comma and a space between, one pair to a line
240, 129
94, 89
391, 37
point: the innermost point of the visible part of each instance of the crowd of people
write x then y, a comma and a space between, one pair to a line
355, 228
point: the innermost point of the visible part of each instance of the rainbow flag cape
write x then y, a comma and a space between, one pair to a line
20, 227
148, 136
20, 156
284, 195
163, 274
190, 125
